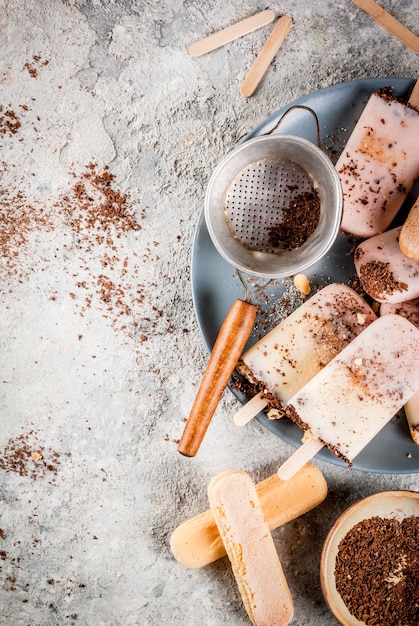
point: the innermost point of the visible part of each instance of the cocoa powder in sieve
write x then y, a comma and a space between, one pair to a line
299, 221
377, 571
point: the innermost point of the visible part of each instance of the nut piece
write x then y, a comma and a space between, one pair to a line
302, 284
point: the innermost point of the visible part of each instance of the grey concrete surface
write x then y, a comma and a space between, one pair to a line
102, 107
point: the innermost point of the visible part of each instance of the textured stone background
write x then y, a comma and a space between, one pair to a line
101, 352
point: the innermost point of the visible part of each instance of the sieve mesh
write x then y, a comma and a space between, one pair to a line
257, 196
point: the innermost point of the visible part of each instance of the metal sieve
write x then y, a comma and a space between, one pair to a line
250, 190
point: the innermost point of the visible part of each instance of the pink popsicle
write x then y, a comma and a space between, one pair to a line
385, 273
378, 165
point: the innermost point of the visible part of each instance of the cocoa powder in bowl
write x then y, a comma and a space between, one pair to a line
377, 571
369, 567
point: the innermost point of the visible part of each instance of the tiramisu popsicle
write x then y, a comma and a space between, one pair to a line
385, 273
350, 400
250, 548
300, 346
409, 310
197, 542
379, 164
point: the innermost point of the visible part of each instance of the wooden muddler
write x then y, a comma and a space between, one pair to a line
227, 349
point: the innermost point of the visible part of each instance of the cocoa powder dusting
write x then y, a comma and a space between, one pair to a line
299, 221
97, 219
378, 279
26, 456
377, 571
9, 122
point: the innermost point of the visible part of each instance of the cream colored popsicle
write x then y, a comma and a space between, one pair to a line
300, 346
378, 165
409, 310
250, 548
385, 273
197, 542
350, 400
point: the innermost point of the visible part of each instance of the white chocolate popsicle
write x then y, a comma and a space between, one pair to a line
378, 166
409, 310
385, 273
197, 542
350, 400
250, 548
300, 346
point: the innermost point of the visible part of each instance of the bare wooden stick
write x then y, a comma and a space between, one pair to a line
265, 56
227, 349
218, 39
301, 456
249, 410
390, 23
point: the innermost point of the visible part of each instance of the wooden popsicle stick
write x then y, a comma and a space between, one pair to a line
301, 456
218, 39
249, 410
390, 23
227, 350
414, 96
265, 56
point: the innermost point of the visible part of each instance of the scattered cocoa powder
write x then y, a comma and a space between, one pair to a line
377, 571
9, 122
25, 456
96, 205
97, 219
33, 66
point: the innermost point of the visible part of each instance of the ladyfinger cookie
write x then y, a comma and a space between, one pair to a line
409, 234
197, 542
250, 548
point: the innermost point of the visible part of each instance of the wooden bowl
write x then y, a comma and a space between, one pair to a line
388, 504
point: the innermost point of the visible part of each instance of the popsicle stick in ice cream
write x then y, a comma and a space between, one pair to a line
300, 346
409, 310
379, 164
230, 33
384, 271
350, 400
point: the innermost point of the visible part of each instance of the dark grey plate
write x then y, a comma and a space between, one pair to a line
215, 284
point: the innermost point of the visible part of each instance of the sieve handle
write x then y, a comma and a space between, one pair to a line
227, 350
305, 108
